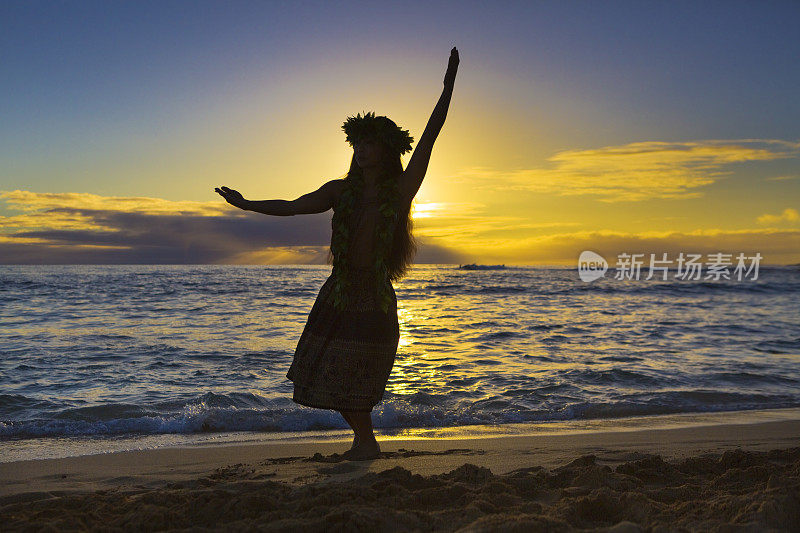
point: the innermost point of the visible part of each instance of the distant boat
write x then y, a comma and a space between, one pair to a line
473, 266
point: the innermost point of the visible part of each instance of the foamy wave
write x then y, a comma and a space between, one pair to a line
217, 414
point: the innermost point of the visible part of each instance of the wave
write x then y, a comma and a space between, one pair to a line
213, 412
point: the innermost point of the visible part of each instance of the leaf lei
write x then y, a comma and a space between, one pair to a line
399, 141
381, 127
388, 197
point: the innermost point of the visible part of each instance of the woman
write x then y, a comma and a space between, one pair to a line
347, 348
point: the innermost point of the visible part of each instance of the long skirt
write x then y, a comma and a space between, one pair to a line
343, 359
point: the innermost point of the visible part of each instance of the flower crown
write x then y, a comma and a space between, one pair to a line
379, 127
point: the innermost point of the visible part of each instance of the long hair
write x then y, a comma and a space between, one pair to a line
404, 246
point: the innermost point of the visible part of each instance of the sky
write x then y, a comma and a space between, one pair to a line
617, 127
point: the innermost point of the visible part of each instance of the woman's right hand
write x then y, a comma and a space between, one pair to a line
232, 196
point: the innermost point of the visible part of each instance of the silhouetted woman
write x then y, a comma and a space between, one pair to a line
347, 349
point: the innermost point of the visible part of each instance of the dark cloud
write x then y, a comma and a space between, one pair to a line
157, 238
143, 238
435, 254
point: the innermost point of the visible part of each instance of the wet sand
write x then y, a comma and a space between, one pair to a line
724, 477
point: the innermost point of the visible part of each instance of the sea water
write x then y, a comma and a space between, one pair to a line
99, 358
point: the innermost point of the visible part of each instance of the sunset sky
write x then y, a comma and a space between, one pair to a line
609, 126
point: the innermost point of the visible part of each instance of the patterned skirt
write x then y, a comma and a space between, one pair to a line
343, 359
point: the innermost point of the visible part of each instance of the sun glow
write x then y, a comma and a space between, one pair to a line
426, 210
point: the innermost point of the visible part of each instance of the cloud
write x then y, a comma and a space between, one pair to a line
113, 231
465, 229
782, 178
76, 211
788, 215
463, 221
87, 228
77, 228
775, 246
635, 171
37, 201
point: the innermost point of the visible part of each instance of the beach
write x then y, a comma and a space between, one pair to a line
152, 398
715, 476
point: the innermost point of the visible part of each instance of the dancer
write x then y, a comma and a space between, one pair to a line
347, 349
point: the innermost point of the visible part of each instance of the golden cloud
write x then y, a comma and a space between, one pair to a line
73, 227
74, 211
776, 246
436, 220
43, 201
788, 215
635, 171
281, 255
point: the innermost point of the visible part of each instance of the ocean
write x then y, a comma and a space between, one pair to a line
106, 358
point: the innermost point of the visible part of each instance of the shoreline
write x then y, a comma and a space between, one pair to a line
42, 448
499, 452
547, 481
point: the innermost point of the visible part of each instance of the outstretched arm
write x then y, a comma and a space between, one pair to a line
414, 173
314, 202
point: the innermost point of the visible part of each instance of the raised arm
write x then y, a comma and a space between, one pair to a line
318, 201
412, 177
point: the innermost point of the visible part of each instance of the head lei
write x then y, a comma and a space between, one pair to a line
399, 142
380, 127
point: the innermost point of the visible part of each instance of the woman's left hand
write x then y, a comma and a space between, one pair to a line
452, 68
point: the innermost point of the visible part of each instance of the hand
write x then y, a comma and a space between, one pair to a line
452, 68
232, 196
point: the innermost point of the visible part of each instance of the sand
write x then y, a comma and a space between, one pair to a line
720, 477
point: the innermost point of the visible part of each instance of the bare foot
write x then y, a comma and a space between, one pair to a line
363, 451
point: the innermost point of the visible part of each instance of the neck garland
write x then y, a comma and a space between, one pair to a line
388, 199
